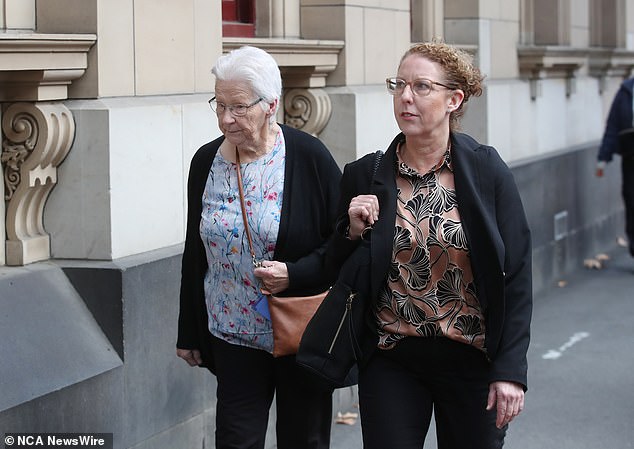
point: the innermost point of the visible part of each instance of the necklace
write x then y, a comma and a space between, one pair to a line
416, 163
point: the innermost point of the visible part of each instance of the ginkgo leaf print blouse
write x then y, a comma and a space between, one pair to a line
231, 289
429, 290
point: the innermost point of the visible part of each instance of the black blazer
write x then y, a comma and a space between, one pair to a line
311, 190
497, 232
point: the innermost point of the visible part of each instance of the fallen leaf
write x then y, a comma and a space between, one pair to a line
592, 264
621, 241
562, 284
602, 257
347, 418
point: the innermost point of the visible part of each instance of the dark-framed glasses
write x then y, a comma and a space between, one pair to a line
420, 87
237, 110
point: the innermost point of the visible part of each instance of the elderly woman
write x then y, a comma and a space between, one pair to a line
290, 188
450, 269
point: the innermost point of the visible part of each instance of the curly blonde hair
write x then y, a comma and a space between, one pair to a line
457, 65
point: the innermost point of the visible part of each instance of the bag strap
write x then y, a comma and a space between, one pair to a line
244, 211
378, 154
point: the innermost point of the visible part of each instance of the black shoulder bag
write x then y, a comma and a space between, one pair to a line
334, 340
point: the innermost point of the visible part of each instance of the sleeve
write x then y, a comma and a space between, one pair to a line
193, 263
510, 363
339, 247
619, 118
306, 273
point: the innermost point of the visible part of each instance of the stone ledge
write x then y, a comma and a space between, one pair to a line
544, 62
39, 67
610, 62
551, 61
303, 63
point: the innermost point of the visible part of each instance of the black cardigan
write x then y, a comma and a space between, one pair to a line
497, 232
311, 191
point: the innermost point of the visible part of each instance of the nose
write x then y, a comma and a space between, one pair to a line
407, 94
226, 117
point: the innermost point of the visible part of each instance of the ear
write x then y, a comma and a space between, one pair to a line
272, 107
455, 100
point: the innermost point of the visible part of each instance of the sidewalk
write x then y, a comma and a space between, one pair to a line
599, 302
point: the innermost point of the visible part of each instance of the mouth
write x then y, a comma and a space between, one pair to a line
408, 115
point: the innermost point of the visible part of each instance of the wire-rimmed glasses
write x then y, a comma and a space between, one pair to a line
237, 110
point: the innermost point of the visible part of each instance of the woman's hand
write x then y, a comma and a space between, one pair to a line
191, 356
273, 275
509, 398
362, 213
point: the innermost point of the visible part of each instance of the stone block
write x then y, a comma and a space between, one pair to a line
50, 340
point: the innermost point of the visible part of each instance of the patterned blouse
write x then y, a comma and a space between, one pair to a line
231, 290
429, 291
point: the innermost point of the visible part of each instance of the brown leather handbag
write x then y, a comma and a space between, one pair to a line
289, 314
289, 317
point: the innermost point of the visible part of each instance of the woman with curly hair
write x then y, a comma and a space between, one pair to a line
450, 271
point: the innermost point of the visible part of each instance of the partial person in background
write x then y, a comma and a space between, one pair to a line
450, 268
291, 186
618, 138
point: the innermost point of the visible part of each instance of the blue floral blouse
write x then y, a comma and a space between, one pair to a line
231, 289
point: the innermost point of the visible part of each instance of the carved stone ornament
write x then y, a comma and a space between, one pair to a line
307, 109
36, 139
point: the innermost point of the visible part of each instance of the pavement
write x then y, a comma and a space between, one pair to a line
581, 365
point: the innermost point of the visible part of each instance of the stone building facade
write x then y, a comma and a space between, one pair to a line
105, 101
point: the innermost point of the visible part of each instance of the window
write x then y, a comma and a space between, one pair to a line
607, 23
552, 22
238, 18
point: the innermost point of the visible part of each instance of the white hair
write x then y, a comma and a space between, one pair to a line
255, 67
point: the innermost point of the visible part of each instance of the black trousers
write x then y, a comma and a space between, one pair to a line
627, 170
247, 381
399, 388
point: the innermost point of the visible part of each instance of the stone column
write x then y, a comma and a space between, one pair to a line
427, 20
36, 139
278, 19
17, 14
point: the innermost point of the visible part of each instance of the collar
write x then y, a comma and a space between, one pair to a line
406, 170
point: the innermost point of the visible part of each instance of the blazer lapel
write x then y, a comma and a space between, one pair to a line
476, 201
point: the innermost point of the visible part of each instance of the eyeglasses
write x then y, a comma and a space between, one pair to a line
237, 110
420, 87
